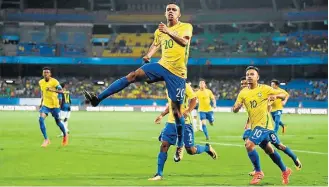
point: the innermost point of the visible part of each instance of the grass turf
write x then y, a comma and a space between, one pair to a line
118, 148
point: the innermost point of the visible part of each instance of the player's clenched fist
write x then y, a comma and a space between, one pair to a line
163, 28
146, 59
158, 120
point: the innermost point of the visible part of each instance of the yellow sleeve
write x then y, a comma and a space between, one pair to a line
187, 31
284, 91
156, 41
55, 83
189, 92
268, 90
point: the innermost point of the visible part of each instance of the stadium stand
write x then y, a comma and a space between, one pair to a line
299, 89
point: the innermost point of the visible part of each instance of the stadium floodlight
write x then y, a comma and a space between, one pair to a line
10, 81
100, 82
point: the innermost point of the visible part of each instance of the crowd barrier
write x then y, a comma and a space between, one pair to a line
153, 102
322, 111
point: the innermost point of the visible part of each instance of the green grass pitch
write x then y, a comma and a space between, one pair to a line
117, 148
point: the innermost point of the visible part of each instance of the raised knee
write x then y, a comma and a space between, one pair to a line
132, 76
164, 146
281, 147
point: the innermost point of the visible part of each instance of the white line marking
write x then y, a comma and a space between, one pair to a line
239, 145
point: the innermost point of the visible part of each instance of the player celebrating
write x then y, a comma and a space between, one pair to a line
205, 97
174, 40
277, 107
255, 98
65, 99
168, 135
50, 104
273, 138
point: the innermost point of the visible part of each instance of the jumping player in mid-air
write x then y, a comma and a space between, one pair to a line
50, 104
255, 98
174, 40
168, 135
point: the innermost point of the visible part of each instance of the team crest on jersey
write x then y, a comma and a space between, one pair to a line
259, 94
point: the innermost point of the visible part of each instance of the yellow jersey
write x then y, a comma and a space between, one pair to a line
66, 97
205, 96
174, 57
277, 104
256, 102
49, 98
189, 94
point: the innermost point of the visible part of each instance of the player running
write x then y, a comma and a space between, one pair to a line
168, 135
255, 98
65, 113
50, 104
206, 103
174, 39
277, 107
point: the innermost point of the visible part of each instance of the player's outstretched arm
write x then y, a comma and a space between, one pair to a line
164, 113
280, 96
191, 106
238, 103
181, 40
237, 107
213, 100
54, 90
152, 50
286, 99
41, 101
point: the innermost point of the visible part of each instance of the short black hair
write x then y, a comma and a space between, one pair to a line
173, 3
276, 82
63, 84
46, 68
252, 67
243, 78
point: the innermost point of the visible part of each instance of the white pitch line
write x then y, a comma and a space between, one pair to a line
239, 145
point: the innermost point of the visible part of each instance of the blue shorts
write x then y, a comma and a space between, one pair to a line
169, 134
175, 85
273, 138
246, 134
54, 111
276, 113
260, 134
208, 116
